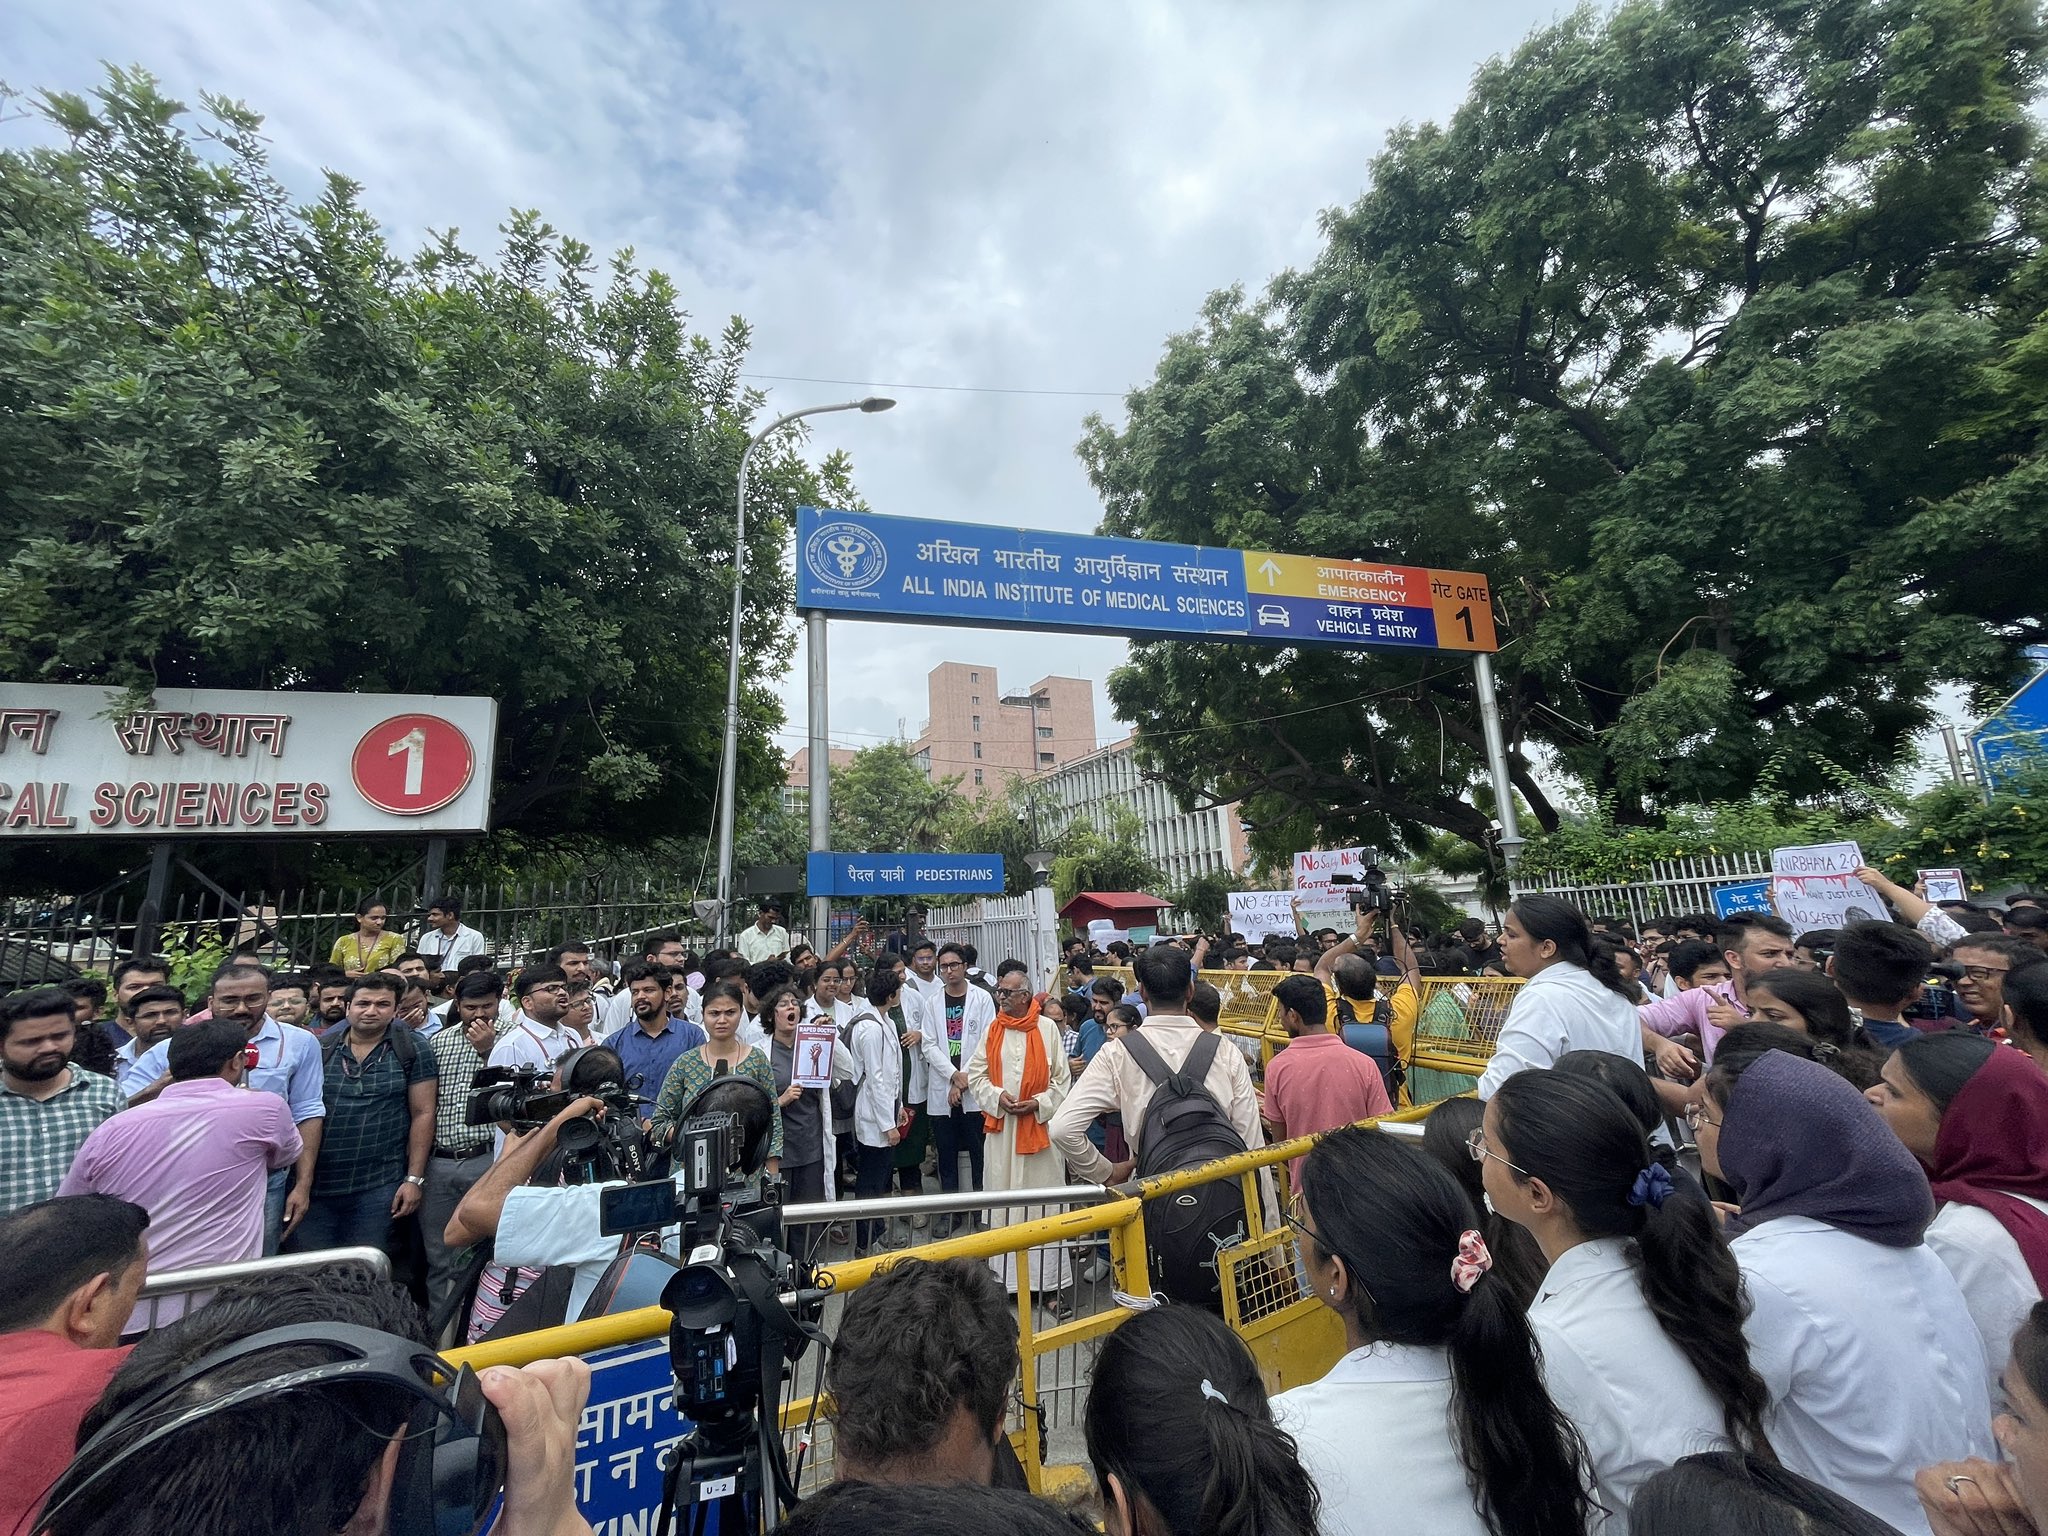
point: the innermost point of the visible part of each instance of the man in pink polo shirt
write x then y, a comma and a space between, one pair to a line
1318, 1082
198, 1157
1753, 943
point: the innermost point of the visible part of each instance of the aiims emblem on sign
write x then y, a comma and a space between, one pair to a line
845, 556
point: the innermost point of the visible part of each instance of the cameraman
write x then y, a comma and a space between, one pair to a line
1354, 987
538, 1221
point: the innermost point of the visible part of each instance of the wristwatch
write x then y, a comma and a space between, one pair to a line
417, 1178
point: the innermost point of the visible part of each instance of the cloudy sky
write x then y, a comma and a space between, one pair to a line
1025, 200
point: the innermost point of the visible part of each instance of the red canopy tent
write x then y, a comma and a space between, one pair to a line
1125, 909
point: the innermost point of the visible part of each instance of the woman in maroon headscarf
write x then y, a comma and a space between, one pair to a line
1976, 1115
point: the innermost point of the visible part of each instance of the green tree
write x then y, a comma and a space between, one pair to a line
1205, 899
1686, 330
1105, 856
1004, 823
248, 445
883, 803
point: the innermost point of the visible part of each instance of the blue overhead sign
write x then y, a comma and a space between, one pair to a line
904, 874
864, 565
2015, 734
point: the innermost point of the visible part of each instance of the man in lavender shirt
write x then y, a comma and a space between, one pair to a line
197, 1157
1752, 943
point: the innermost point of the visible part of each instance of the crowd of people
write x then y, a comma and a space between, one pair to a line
1744, 1229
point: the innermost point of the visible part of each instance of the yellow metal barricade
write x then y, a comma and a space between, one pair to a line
1455, 1033
629, 1429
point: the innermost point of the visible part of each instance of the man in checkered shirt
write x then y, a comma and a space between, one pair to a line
47, 1106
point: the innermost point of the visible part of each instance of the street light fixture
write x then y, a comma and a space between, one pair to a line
728, 761
1029, 701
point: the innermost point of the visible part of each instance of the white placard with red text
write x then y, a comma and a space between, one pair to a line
197, 762
1815, 886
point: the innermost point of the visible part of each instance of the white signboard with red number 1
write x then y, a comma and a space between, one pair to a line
412, 764
79, 761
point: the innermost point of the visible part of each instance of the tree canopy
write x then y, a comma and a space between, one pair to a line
248, 445
1713, 332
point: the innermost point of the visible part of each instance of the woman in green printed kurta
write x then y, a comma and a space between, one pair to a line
697, 1068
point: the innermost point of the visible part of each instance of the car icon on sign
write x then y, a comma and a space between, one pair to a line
1272, 613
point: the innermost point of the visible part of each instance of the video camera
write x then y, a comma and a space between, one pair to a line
1368, 891
742, 1310
595, 1148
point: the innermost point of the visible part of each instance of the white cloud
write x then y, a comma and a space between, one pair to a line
1029, 196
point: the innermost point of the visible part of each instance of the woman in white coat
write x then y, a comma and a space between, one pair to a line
1575, 999
1975, 1114
1640, 1314
1857, 1328
1435, 1422
1019, 1076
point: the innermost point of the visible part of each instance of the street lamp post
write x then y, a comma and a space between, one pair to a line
1029, 701
729, 757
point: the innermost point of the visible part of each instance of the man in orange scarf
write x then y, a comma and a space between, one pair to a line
1018, 1076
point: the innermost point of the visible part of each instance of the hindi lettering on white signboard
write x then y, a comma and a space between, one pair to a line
210, 761
1261, 915
1815, 886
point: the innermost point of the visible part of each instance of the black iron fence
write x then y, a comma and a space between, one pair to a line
47, 937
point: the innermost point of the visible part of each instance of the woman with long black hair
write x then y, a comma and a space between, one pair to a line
1391, 1243
1518, 1264
1181, 1436
1640, 1316
1808, 1002
1575, 998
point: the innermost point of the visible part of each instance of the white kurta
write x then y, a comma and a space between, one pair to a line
1003, 1167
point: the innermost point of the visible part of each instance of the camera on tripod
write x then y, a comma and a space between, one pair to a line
1368, 891
593, 1149
741, 1310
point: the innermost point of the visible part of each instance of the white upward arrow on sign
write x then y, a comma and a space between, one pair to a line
1271, 572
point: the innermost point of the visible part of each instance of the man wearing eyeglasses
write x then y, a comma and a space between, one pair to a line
965, 1012
538, 1037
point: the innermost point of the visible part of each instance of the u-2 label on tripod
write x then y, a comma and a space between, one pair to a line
719, 1487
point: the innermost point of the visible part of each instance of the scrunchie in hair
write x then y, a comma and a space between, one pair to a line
1652, 1187
1471, 1262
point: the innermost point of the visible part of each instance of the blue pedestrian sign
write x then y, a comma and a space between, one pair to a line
904, 874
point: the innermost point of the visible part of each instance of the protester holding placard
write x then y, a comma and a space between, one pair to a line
807, 1161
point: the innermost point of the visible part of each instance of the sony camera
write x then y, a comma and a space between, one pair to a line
594, 1149
1368, 891
742, 1310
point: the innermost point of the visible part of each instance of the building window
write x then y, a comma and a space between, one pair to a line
974, 677
1045, 759
977, 775
977, 749
976, 699
1044, 732
977, 722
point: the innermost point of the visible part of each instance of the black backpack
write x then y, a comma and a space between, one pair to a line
846, 1095
1185, 1127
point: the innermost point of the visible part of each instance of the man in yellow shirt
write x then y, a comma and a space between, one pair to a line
1348, 976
